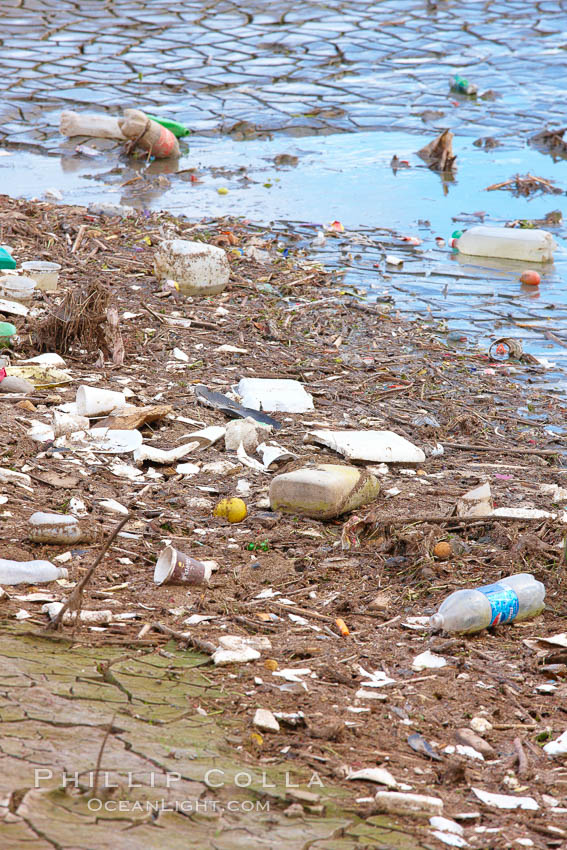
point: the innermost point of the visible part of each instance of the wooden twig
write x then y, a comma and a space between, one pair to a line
466, 447
99, 757
74, 601
523, 767
203, 645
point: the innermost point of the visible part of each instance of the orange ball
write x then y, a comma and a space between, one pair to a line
443, 551
530, 278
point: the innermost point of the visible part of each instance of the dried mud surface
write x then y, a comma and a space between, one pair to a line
366, 368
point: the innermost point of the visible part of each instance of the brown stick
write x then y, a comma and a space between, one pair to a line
523, 767
466, 447
73, 603
99, 757
203, 645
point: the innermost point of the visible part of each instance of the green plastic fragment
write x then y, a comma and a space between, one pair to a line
178, 130
7, 331
6, 260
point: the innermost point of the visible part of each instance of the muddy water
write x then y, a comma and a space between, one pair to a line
340, 90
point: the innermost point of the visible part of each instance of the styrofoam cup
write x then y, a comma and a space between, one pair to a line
92, 401
175, 567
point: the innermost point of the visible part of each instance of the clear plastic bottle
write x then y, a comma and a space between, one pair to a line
507, 243
516, 597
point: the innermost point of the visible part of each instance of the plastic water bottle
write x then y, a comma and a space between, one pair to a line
507, 243
516, 597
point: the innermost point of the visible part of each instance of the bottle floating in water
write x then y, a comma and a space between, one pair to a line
516, 597
506, 243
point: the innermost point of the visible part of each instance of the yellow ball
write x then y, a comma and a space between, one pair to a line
233, 509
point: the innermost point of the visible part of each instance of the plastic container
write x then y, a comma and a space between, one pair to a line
198, 268
6, 259
93, 401
7, 331
54, 528
178, 130
29, 572
534, 246
83, 124
517, 597
323, 492
46, 275
175, 567
148, 134
17, 287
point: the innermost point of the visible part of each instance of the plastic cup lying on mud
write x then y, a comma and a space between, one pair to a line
46, 275
92, 401
175, 567
16, 287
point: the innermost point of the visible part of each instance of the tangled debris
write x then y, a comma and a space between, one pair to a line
331, 615
526, 185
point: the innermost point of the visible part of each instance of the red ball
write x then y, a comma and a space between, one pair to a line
530, 278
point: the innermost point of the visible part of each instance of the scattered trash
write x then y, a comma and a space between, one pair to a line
149, 135
442, 550
247, 432
7, 332
29, 572
17, 288
93, 401
175, 567
265, 720
463, 86
506, 348
517, 597
428, 661
54, 528
418, 743
375, 774
96, 126
274, 395
477, 502
414, 805
534, 246
557, 747
45, 275
234, 510
52, 609
198, 268
438, 154
374, 446
232, 408
324, 491
504, 801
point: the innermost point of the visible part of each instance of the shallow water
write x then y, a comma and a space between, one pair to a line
342, 89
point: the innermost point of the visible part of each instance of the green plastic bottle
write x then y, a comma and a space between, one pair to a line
178, 130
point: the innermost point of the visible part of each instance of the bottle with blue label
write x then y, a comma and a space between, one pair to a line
516, 597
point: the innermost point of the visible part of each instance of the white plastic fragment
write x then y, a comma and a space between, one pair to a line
274, 394
265, 720
477, 502
164, 456
376, 679
450, 838
223, 657
180, 355
236, 642
419, 805
505, 801
464, 750
446, 825
375, 774
557, 747
372, 446
52, 609
113, 507
428, 661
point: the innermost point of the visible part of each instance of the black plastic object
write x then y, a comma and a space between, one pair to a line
231, 408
